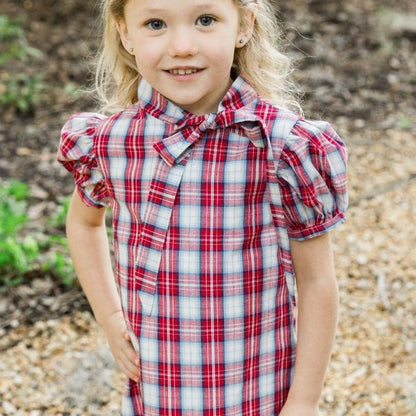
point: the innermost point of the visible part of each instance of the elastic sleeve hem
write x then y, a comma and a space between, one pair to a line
317, 229
89, 200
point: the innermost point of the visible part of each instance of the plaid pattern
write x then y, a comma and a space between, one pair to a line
203, 208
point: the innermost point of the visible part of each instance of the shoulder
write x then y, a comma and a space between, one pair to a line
83, 129
90, 123
288, 129
118, 122
86, 122
277, 121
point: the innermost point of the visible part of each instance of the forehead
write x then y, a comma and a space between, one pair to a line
169, 5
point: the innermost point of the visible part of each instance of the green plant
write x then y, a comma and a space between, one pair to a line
12, 205
15, 253
13, 41
23, 252
21, 91
17, 90
60, 265
405, 122
59, 217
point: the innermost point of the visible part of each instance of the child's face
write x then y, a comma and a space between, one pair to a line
184, 48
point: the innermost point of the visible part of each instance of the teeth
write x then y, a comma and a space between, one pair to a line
183, 71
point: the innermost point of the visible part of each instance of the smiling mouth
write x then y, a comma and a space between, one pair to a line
183, 71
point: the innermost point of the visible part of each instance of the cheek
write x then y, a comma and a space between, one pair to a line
146, 59
226, 57
224, 50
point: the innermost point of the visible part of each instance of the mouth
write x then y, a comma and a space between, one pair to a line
183, 71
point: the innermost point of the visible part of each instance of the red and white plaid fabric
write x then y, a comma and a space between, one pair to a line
203, 209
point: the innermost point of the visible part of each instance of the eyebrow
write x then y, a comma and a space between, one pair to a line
155, 10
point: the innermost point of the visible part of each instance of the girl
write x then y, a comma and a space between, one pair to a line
219, 194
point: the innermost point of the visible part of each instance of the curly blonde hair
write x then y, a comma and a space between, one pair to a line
260, 61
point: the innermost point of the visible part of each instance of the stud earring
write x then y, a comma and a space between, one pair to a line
241, 41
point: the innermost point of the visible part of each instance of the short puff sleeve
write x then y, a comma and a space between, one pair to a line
312, 178
76, 153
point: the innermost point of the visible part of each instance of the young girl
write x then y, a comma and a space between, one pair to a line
219, 194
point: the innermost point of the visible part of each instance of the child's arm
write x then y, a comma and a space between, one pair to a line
317, 318
88, 244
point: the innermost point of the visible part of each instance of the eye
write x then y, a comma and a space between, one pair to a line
205, 20
155, 24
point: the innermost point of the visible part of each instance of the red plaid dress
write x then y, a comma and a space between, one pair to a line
203, 209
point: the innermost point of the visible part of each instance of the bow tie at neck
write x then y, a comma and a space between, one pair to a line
191, 128
236, 112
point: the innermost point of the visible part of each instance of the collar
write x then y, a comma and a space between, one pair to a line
237, 109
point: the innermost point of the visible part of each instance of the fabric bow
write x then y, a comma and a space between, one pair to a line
190, 129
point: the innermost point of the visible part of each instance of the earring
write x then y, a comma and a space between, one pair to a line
241, 41
131, 50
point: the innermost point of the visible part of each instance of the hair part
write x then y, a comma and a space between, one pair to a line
259, 61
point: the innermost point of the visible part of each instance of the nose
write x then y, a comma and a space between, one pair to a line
182, 43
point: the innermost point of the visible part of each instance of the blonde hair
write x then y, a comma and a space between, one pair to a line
260, 61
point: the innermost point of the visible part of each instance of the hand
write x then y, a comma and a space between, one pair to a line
292, 408
121, 347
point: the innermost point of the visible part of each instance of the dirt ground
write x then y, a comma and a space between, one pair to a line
356, 62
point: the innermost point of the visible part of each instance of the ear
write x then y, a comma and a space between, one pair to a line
124, 34
247, 20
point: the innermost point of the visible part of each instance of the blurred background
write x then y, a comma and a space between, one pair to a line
356, 62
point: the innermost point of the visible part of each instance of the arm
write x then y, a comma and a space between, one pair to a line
88, 244
317, 319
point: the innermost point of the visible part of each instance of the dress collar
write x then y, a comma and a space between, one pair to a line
236, 110
239, 95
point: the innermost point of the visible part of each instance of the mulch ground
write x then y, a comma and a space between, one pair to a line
357, 63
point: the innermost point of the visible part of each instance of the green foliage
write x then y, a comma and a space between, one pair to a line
12, 206
59, 218
60, 265
17, 90
15, 254
405, 122
21, 91
12, 37
9, 29
22, 252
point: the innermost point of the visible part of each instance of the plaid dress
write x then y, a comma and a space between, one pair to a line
203, 209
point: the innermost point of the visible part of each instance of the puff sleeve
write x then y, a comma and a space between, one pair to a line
312, 178
76, 153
